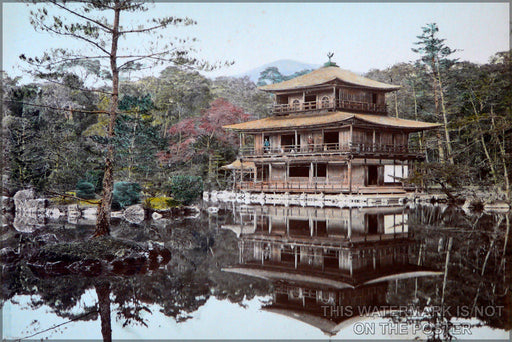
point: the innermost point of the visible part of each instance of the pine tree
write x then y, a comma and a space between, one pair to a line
434, 54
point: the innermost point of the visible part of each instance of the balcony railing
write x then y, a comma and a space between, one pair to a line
332, 148
281, 109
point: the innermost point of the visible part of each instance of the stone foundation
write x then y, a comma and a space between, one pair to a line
321, 200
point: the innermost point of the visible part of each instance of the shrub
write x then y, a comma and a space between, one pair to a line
161, 203
186, 188
125, 194
85, 190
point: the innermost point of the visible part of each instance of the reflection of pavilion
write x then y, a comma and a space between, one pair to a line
321, 260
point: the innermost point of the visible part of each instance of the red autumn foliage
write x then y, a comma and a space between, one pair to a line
188, 131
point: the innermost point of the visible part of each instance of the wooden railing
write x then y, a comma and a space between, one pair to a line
292, 185
286, 108
332, 148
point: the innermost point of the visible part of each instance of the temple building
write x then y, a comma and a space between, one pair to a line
329, 133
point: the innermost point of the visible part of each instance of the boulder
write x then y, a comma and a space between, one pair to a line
134, 213
54, 213
90, 213
28, 223
156, 216
116, 214
73, 213
22, 196
7, 204
26, 203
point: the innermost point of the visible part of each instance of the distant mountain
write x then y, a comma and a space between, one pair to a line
285, 66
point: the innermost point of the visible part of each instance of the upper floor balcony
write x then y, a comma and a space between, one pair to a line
328, 105
354, 149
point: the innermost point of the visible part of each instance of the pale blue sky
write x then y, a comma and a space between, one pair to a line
362, 35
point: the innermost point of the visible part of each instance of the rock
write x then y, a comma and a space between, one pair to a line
46, 239
156, 216
7, 204
134, 213
53, 213
116, 214
25, 203
90, 213
8, 255
73, 213
191, 211
28, 223
22, 196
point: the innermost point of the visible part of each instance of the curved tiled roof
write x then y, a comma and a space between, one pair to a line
328, 74
303, 121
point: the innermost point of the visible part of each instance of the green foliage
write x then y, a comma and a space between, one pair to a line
125, 194
273, 75
186, 188
85, 190
136, 139
160, 203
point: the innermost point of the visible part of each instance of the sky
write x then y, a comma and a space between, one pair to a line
363, 36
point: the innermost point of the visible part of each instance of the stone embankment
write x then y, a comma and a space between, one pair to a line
26, 212
322, 200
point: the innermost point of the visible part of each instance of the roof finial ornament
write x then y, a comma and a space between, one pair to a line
330, 63
329, 55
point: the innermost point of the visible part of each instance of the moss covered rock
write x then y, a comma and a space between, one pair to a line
161, 203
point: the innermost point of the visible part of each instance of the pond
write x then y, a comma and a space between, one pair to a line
268, 272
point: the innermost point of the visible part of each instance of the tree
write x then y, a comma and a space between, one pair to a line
137, 141
434, 54
273, 75
98, 27
243, 93
220, 113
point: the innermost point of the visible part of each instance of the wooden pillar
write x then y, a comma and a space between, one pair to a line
334, 97
351, 136
350, 175
349, 230
270, 171
297, 143
350, 261
286, 172
311, 173
326, 173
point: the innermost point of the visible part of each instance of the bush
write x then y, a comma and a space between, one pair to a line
186, 188
125, 194
85, 190
160, 203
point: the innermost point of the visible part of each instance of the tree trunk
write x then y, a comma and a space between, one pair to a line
103, 220
439, 139
445, 118
103, 293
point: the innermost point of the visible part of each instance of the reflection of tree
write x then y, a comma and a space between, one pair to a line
103, 292
478, 282
183, 285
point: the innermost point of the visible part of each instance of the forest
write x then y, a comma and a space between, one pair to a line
55, 132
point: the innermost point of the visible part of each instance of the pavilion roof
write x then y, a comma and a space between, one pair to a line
326, 120
325, 75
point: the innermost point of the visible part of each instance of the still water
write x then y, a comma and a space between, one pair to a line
258, 272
